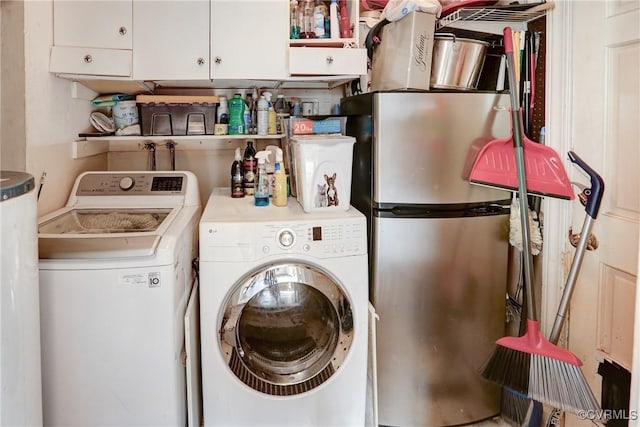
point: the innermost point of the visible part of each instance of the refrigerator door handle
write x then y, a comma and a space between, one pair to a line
440, 211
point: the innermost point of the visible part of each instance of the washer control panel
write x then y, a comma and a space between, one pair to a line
131, 183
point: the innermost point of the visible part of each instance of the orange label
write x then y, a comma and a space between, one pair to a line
302, 127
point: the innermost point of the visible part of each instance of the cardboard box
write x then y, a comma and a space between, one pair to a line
403, 58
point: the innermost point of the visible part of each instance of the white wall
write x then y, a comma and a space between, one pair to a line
53, 119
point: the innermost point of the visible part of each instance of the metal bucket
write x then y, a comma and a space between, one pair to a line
456, 62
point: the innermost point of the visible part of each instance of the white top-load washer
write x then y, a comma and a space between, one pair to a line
283, 314
115, 278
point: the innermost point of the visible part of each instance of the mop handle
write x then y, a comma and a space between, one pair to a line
517, 135
592, 206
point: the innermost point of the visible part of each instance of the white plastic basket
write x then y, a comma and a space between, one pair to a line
323, 171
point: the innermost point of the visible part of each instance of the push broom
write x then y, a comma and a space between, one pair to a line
520, 409
530, 364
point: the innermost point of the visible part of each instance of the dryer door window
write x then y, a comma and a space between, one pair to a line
286, 329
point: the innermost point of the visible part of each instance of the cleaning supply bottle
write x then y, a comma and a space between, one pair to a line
345, 25
223, 111
280, 181
294, 23
236, 115
249, 166
320, 13
247, 113
334, 26
306, 26
282, 113
261, 194
271, 117
221, 125
237, 176
263, 116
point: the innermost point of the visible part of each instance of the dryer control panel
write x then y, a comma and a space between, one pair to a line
233, 230
344, 238
253, 241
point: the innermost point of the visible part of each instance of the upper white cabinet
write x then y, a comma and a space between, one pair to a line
92, 37
171, 40
326, 56
249, 39
195, 40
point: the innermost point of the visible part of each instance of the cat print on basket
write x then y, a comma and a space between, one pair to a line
327, 194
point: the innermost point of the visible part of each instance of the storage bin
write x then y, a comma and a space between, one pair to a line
177, 115
322, 169
403, 58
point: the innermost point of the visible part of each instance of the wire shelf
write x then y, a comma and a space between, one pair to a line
510, 13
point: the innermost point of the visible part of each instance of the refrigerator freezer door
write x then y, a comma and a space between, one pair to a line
426, 143
439, 287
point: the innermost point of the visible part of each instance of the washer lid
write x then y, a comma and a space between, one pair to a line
101, 233
14, 184
97, 247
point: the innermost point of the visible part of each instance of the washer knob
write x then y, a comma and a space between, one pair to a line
126, 183
286, 238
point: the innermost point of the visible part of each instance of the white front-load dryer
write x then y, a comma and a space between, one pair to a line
284, 315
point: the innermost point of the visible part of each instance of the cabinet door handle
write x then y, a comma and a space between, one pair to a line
218, 60
87, 59
122, 31
329, 59
200, 61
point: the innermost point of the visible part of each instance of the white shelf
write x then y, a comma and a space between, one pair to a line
494, 18
339, 43
92, 146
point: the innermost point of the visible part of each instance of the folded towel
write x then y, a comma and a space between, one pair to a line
110, 100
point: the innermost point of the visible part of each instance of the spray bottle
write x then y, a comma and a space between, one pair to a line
262, 116
261, 194
237, 172
280, 181
271, 115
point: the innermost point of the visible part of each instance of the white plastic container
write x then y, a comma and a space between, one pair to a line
20, 378
322, 168
125, 113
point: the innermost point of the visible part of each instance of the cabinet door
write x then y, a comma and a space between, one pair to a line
327, 61
95, 24
249, 39
171, 40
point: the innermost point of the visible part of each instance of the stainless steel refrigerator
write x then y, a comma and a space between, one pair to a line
438, 249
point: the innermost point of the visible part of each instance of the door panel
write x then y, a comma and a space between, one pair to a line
425, 145
605, 68
439, 288
171, 40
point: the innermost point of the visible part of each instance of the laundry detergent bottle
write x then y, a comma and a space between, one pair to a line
280, 181
236, 115
261, 193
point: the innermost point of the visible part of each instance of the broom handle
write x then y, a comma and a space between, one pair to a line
516, 122
592, 205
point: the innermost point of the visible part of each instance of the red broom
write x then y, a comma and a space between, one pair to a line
530, 364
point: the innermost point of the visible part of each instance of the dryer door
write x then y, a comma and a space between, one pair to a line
286, 328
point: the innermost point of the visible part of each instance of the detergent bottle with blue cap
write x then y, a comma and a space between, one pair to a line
261, 194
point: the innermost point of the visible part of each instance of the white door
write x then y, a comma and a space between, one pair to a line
171, 40
97, 24
595, 111
249, 39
